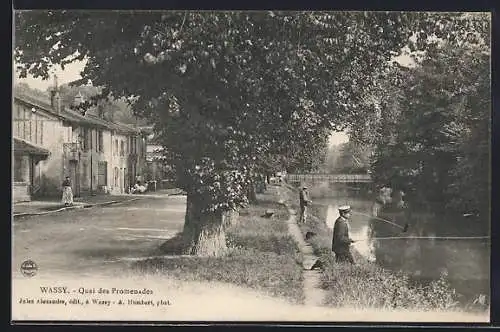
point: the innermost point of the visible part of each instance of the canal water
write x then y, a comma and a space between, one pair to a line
465, 261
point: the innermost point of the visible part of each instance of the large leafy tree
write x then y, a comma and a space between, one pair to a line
434, 136
226, 90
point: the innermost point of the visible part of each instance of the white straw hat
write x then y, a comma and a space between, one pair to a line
345, 208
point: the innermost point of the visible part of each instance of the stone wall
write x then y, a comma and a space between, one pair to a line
20, 192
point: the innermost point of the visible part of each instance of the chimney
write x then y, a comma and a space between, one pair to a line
100, 111
55, 98
78, 99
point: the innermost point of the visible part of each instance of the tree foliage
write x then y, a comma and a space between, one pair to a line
246, 84
434, 137
24, 89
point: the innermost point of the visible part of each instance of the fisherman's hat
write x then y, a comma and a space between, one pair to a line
345, 208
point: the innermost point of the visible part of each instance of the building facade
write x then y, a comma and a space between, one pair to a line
51, 141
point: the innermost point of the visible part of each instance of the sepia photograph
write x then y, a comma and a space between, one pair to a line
251, 166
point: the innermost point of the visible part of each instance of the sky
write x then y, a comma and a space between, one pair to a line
70, 73
337, 138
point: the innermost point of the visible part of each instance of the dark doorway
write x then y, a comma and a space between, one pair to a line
75, 177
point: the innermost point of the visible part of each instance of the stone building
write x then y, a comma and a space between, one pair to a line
51, 141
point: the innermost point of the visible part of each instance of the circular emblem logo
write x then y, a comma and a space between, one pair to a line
29, 268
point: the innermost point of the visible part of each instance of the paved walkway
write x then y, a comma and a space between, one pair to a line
39, 207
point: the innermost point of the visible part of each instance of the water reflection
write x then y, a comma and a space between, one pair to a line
332, 213
465, 261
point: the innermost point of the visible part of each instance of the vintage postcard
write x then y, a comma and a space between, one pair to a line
276, 166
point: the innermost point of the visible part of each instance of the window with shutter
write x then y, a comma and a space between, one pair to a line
101, 141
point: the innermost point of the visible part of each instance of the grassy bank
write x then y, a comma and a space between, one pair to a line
261, 255
366, 285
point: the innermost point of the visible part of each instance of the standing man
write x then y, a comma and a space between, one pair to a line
341, 241
304, 202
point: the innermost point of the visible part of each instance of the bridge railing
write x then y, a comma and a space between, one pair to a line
333, 178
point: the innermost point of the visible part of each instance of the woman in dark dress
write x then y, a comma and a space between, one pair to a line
67, 195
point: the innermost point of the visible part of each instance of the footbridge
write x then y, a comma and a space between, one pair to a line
313, 178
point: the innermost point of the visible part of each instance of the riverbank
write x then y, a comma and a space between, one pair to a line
366, 285
261, 255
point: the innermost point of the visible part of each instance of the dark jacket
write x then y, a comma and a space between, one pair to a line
66, 183
304, 198
341, 240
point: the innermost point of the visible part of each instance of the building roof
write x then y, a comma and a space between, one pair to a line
21, 145
75, 117
36, 102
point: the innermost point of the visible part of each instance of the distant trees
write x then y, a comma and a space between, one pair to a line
350, 158
24, 88
69, 92
113, 109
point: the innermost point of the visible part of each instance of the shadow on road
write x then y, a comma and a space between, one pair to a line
172, 246
115, 250
130, 249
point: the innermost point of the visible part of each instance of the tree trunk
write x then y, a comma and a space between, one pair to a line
252, 193
231, 218
203, 233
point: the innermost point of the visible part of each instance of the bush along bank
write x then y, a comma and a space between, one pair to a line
366, 285
261, 255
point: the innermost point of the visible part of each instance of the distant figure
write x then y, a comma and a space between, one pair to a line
397, 199
279, 177
67, 194
341, 242
304, 203
383, 198
268, 214
138, 188
390, 206
399, 209
260, 185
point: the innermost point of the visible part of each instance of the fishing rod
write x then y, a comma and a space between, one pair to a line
426, 237
404, 228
